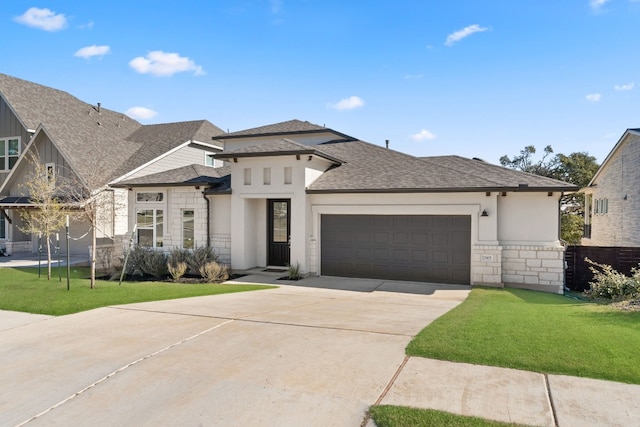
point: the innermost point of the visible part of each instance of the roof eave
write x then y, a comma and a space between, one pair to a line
446, 190
279, 154
295, 132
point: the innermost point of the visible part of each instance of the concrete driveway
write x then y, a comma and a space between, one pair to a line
290, 356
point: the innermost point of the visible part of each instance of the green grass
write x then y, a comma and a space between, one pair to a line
398, 416
538, 332
22, 290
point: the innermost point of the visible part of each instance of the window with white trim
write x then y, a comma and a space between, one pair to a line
150, 227
51, 171
187, 229
9, 152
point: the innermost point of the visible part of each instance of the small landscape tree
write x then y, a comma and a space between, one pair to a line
47, 214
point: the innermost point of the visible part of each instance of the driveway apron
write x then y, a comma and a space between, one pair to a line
286, 356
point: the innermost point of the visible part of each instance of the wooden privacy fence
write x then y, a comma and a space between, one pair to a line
577, 274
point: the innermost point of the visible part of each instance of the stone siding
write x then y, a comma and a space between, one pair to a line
533, 267
486, 264
221, 244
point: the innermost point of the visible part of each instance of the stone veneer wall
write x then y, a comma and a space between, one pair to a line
18, 247
221, 244
533, 267
487, 265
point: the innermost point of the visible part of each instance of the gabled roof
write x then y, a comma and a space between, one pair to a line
631, 131
182, 176
278, 147
96, 142
371, 168
81, 131
156, 140
291, 127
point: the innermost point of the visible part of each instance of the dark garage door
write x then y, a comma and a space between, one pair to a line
425, 248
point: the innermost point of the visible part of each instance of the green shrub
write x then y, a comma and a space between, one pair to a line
214, 272
610, 284
154, 263
199, 257
178, 255
177, 269
293, 271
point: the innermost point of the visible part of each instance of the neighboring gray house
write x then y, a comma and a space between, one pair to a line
612, 198
90, 144
288, 193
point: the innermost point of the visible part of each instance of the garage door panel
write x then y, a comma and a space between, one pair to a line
397, 247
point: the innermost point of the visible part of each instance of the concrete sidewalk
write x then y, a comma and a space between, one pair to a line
31, 260
515, 396
315, 352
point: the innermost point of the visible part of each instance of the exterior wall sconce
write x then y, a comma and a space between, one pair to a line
484, 213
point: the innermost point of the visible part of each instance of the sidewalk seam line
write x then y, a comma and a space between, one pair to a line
550, 398
117, 371
386, 389
267, 322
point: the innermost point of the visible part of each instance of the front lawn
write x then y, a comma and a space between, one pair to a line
22, 290
538, 332
398, 416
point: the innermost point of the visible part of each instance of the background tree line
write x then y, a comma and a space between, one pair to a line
577, 168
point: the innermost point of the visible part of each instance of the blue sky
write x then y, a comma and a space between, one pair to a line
468, 77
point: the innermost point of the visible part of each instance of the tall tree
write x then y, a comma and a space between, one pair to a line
48, 214
577, 168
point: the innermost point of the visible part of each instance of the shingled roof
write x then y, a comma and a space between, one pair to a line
182, 176
277, 147
289, 127
88, 135
371, 168
82, 132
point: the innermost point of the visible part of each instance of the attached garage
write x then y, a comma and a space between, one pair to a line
425, 248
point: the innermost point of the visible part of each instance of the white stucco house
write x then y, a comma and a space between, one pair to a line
299, 193
612, 198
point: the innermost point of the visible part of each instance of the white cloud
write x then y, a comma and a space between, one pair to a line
141, 113
43, 19
89, 51
465, 32
423, 135
597, 4
622, 88
159, 63
593, 97
412, 76
350, 103
276, 6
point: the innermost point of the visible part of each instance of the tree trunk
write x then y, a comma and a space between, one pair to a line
46, 239
93, 256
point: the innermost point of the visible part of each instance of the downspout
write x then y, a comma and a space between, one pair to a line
564, 245
208, 219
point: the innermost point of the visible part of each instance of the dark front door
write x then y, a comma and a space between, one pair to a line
279, 232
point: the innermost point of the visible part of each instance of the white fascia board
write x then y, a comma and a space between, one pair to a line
21, 159
207, 144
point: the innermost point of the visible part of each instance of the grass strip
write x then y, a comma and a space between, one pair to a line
22, 290
400, 416
536, 331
